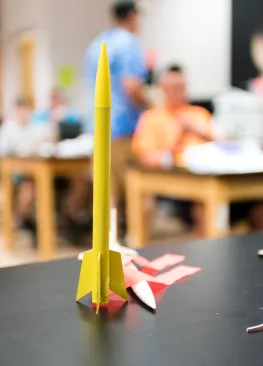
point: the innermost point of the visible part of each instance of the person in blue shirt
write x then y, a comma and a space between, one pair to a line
128, 74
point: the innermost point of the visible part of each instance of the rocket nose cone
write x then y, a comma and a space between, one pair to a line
103, 84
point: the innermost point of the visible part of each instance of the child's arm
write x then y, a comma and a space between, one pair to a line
145, 143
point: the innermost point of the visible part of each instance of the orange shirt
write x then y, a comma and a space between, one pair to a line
160, 129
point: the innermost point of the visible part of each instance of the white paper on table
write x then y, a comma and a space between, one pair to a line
234, 158
80, 146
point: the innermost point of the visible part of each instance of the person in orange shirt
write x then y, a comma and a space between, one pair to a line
164, 132
162, 135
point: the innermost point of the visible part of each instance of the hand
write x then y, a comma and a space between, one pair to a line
187, 124
198, 129
163, 159
167, 160
150, 161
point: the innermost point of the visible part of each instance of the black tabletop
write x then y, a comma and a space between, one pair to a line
199, 321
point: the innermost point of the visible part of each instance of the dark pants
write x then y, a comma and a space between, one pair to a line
121, 154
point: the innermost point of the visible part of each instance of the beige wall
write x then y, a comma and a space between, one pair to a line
17, 17
72, 25
194, 33
63, 29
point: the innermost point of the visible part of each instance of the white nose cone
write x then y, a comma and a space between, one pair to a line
144, 292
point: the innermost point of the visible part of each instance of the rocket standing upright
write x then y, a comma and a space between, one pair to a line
101, 269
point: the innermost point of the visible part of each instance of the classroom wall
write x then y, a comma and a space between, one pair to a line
72, 25
63, 29
193, 33
20, 17
196, 34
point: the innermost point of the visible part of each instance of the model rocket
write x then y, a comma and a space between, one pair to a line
101, 269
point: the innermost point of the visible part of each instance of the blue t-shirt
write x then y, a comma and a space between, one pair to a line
44, 116
126, 60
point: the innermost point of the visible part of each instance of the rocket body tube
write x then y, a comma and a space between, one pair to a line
101, 268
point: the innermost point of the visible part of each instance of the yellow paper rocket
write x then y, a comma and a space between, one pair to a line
101, 268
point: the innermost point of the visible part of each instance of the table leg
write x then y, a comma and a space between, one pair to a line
45, 212
216, 218
136, 218
8, 219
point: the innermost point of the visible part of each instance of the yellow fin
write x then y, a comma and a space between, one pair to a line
117, 281
98, 284
85, 277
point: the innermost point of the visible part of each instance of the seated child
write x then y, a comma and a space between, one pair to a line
163, 133
19, 137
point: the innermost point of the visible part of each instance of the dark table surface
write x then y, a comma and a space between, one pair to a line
199, 321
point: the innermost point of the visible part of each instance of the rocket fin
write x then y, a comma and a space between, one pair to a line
117, 281
98, 289
85, 278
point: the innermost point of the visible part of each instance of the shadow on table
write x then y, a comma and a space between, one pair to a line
115, 309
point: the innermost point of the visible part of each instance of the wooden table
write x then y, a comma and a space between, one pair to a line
214, 192
200, 321
43, 171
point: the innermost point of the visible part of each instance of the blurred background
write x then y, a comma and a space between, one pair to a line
209, 53
177, 31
